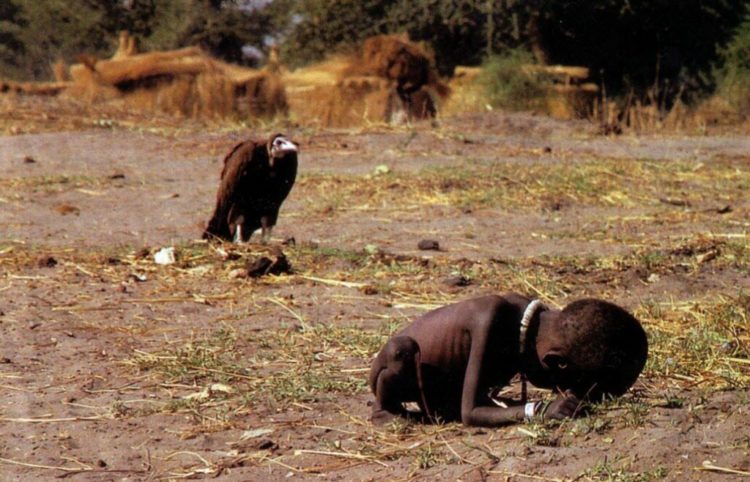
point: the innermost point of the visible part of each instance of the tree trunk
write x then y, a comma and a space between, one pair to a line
536, 40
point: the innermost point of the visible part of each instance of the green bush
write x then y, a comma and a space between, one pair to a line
508, 85
733, 75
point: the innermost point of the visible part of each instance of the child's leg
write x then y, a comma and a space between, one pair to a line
394, 378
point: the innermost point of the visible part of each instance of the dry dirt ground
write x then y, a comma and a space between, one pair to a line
116, 368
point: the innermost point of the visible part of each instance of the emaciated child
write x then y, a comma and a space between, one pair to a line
448, 360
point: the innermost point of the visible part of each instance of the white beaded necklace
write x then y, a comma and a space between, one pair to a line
528, 314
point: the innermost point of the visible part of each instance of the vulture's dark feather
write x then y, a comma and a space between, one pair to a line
256, 178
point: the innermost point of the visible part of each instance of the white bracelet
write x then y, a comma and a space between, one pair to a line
529, 410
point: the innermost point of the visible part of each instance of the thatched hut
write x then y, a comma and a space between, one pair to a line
389, 80
185, 82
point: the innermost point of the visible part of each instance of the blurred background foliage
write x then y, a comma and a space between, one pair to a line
673, 48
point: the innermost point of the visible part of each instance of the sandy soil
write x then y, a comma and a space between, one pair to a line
88, 333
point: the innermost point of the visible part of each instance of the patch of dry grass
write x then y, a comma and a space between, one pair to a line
702, 342
56, 183
512, 185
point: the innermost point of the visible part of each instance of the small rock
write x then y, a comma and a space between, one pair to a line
457, 281
724, 209
428, 244
29, 160
259, 267
267, 444
66, 209
46, 262
5, 360
238, 273
547, 149
101, 463
281, 265
255, 433
227, 255
117, 175
552, 205
34, 325
675, 201
165, 256
728, 347
264, 265
706, 257
369, 290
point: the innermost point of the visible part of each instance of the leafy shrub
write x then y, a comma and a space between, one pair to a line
733, 76
507, 84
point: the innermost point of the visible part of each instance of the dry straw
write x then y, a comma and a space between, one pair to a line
389, 79
185, 82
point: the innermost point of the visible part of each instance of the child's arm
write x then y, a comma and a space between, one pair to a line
474, 414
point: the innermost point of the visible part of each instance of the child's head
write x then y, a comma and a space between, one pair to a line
603, 349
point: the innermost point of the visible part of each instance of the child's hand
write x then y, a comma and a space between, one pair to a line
566, 407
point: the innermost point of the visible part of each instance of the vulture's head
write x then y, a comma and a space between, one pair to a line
280, 146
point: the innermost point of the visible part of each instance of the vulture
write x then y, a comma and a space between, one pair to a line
256, 178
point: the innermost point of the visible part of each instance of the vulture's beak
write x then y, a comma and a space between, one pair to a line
280, 147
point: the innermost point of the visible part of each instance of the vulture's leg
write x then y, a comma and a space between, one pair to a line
238, 234
236, 222
265, 229
239, 238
